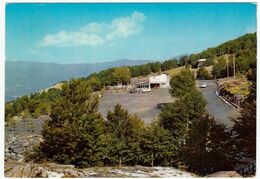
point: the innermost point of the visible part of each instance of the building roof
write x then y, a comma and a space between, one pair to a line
202, 60
139, 80
154, 77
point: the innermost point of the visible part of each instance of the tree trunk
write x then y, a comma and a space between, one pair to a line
152, 160
234, 66
186, 133
120, 161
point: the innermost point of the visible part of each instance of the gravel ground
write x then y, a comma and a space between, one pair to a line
143, 104
22, 137
27, 126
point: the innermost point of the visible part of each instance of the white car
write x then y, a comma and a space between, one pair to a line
144, 90
203, 85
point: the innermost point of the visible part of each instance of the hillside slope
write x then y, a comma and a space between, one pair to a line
236, 46
24, 77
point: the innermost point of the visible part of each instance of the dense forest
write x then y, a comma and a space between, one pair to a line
244, 43
184, 135
242, 50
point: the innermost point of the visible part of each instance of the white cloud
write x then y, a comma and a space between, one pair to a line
125, 26
95, 34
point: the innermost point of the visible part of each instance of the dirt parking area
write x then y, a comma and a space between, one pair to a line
145, 105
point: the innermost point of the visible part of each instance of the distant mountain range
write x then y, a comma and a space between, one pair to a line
25, 77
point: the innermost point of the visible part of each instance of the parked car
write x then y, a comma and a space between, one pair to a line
133, 90
203, 85
144, 90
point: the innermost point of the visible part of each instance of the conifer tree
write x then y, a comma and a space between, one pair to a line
177, 116
203, 73
208, 147
182, 83
245, 125
124, 130
75, 135
158, 146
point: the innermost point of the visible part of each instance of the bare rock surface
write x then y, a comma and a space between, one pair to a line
225, 174
31, 170
22, 136
17, 145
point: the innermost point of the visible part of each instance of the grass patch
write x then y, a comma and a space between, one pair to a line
237, 86
175, 71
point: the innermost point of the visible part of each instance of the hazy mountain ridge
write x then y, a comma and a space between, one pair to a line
25, 77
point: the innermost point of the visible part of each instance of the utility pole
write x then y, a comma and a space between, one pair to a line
234, 67
227, 68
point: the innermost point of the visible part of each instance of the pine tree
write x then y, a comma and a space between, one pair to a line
158, 146
245, 126
138, 128
203, 73
208, 147
182, 83
121, 75
177, 116
75, 135
125, 131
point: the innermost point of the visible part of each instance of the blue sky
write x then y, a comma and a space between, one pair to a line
93, 33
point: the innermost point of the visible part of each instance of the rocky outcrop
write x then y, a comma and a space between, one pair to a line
225, 174
31, 170
22, 136
17, 145
233, 90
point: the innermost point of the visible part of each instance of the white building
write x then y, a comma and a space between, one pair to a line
159, 81
152, 81
201, 62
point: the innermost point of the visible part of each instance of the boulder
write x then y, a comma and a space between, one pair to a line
35, 170
17, 145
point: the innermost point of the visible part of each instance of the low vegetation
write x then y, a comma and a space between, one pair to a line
236, 86
175, 71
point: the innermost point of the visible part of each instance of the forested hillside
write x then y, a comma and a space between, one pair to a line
245, 42
243, 49
40, 103
25, 77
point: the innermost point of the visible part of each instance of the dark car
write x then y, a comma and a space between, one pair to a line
133, 90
